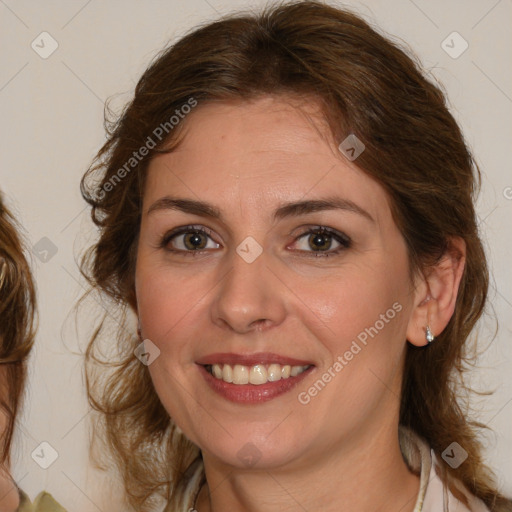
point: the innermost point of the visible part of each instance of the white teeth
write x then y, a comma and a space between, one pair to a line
257, 374
240, 374
227, 373
295, 371
274, 372
217, 371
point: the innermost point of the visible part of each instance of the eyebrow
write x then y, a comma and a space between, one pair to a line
293, 209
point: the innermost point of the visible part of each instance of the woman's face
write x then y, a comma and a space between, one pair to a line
267, 290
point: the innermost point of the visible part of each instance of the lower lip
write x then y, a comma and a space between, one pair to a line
250, 393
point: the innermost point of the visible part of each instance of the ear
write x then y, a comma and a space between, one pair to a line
435, 294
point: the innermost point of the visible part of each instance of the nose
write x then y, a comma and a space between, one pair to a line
250, 297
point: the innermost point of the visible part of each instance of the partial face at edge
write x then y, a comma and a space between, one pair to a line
306, 298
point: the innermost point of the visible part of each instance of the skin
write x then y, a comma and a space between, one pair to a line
339, 452
9, 498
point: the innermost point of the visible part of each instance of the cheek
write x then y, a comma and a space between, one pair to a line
169, 307
166, 300
362, 336
346, 306
363, 315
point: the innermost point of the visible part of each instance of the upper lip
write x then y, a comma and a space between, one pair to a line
251, 359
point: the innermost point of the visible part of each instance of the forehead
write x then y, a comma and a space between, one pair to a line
265, 151
273, 125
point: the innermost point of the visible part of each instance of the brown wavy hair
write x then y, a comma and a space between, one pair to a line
366, 85
17, 329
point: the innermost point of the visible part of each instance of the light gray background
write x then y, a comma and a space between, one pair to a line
51, 126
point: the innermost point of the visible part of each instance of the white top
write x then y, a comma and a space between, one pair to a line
433, 495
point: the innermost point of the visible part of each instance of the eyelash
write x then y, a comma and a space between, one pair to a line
344, 241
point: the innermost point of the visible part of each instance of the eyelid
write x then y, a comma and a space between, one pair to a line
318, 228
186, 229
344, 240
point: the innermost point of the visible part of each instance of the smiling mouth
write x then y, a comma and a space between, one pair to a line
257, 374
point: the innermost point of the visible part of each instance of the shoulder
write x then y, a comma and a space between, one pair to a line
436, 493
43, 502
185, 495
454, 496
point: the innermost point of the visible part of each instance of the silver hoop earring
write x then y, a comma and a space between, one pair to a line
429, 335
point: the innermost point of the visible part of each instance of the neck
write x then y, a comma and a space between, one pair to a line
9, 498
367, 473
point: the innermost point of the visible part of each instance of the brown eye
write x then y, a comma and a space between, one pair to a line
194, 241
188, 239
322, 241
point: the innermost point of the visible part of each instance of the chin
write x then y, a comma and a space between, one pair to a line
244, 450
